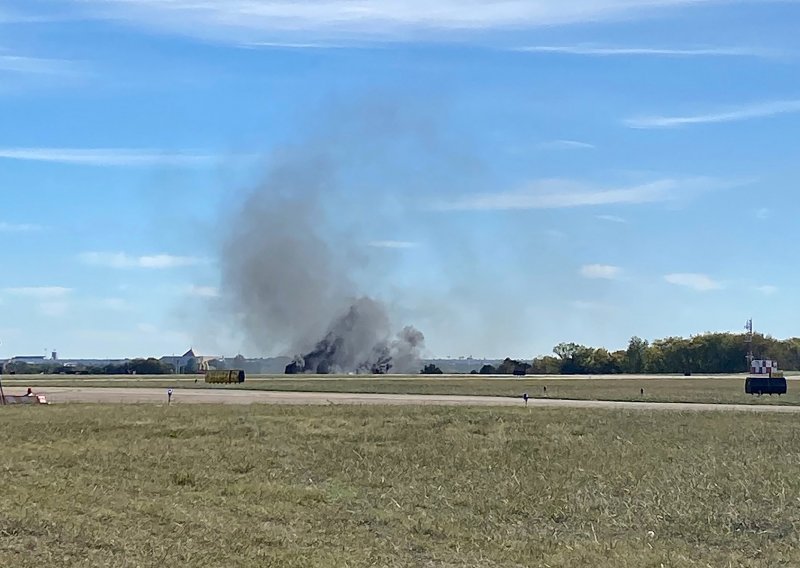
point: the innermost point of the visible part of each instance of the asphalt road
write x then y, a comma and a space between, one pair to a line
58, 395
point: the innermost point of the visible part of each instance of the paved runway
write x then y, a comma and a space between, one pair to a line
58, 395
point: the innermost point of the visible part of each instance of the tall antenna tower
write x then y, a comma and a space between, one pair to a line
749, 340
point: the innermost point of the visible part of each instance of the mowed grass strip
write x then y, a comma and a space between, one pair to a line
705, 390
214, 486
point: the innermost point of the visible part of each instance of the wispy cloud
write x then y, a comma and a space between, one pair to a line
148, 328
600, 271
51, 301
40, 292
24, 64
18, 227
748, 112
699, 282
767, 289
54, 309
566, 145
561, 194
294, 45
611, 218
123, 260
112, 304
274, 20
592, 306
555, 234
16, 15
108, 156
608, 51
202, 291
762, 213
394, 244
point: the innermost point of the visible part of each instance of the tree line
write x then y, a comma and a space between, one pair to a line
706, 353
149, 366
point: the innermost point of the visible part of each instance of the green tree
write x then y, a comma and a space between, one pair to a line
150, 366
547, 365
575, 359
601, 362
636, 355
566, 350
513, 367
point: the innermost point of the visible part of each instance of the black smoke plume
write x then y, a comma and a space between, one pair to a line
286, 275
349, 345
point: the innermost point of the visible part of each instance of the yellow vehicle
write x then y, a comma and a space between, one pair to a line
225, 377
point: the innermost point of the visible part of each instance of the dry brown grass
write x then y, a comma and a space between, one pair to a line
352, 486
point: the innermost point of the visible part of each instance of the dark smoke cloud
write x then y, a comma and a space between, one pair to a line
293, 268
350, 344
286, 274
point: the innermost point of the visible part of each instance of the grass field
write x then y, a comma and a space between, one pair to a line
304, 487
656, 389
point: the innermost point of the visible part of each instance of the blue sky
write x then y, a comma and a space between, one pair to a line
576, 170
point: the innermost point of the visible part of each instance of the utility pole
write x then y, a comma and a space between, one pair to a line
749, 341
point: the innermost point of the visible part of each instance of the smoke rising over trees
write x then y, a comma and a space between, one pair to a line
350, 344
287, 274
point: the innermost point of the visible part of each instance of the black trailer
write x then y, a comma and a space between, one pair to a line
765, 385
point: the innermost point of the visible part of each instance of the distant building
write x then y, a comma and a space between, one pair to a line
30, 359
189, 362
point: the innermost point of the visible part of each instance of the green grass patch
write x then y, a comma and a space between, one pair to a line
210, 486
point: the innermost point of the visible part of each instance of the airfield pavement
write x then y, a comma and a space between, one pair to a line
217, 396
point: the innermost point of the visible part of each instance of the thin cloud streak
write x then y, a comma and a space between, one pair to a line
121, 260
202, 291
749, 112
600, 271
695, 281
54, 309
366, 18
592, 306
294, 45
9, 15
601, 51
41, 292
393, 244
562, 194
566, 145
108, 157
37, 65
19, 227
112, 304
611, 219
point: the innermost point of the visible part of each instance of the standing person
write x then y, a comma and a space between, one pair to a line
169, 396
525, 398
